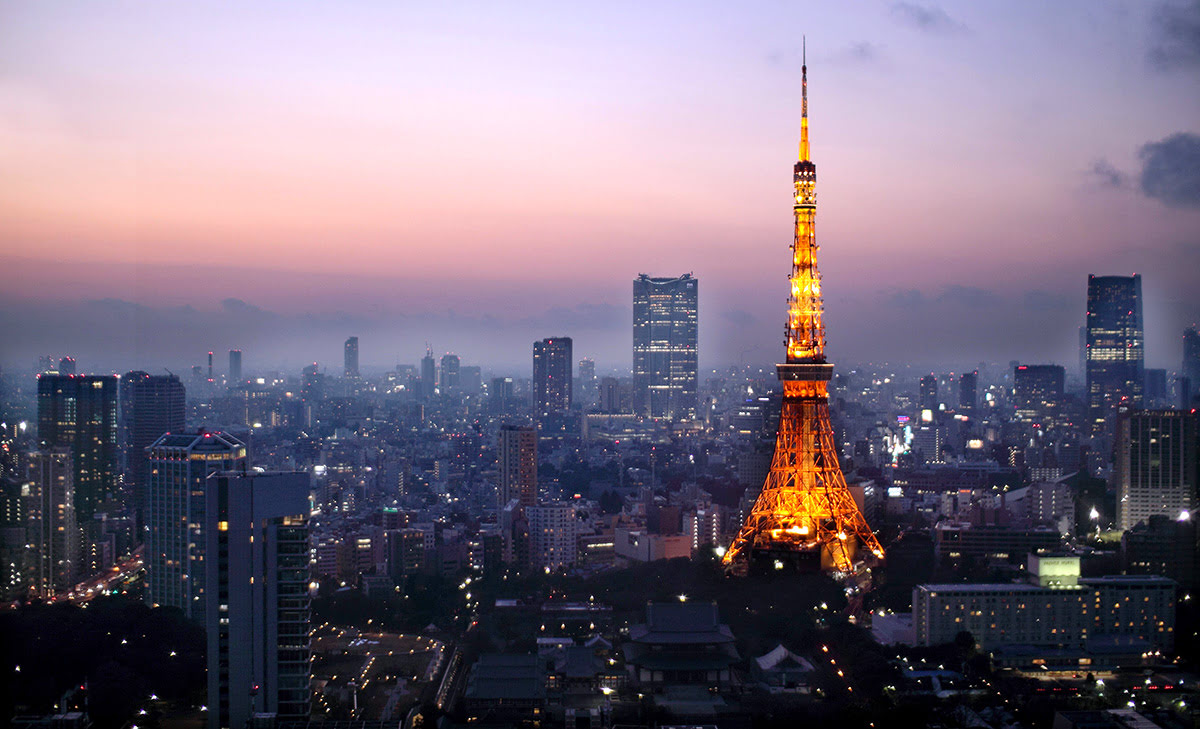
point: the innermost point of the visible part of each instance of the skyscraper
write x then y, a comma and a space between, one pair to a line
1115, 347
66, 366
552, 365
1156, 466
256, 531
587, 381
450, 373
928, 399
179, 465
428, 374
54, 531
235, 367
1038, 392
968, 387
1190, 371
552, 535
351, 357
665, 358
517, 459
150, 406
80, 412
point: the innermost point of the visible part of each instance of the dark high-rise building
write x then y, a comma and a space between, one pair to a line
312, 384
552, 365
351, 357
1038, 392
428, 374
517, 457
665, 355
256, 527
1115, 347
1155, 396
80, 412
501, 393
1157, 465
968, 391
53, 529
450, 376
66, 366
180, 464
151, 405
928, 399
1190, 371
235, 367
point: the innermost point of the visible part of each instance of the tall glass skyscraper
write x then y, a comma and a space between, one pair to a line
80, 412
664, 346
1115, 348
151, 405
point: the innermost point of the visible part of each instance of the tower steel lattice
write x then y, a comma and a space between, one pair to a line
805, 514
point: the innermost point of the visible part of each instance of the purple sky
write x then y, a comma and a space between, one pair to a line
179, 177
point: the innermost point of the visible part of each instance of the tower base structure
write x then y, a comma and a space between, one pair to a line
805, 518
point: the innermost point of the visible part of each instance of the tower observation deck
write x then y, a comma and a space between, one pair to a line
805, 515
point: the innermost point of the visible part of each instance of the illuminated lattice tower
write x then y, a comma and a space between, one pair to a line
805, 515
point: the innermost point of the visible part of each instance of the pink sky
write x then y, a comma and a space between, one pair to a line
383, 160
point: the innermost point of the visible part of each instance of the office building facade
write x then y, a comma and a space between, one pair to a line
54, 532
258, 611
151, 405
350, 358
235, 367
450, 376
179, 467
1038, 394
1156, 465
517, 461
552, 535
665, 352
1115, 348
552, 368
80, 412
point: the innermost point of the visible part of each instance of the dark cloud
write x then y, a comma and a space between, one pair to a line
929, 18
1176, 44
861, 52
1104, 174
1171, 170
907, 298
968, 296
1043, 301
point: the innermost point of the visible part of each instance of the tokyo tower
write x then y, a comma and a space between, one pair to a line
805, 516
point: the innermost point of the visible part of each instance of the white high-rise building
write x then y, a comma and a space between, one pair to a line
552, 535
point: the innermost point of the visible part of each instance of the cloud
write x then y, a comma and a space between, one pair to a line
929, 18
1043, 301
1106, 175
1176, 42
859, 53
1171, 170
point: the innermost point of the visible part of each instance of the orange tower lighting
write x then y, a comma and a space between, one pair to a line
805, 513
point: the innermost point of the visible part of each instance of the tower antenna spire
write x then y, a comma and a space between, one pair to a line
804, 99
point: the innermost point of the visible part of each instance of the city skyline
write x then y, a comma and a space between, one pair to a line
278, 203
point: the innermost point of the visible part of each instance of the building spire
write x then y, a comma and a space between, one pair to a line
804, 100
